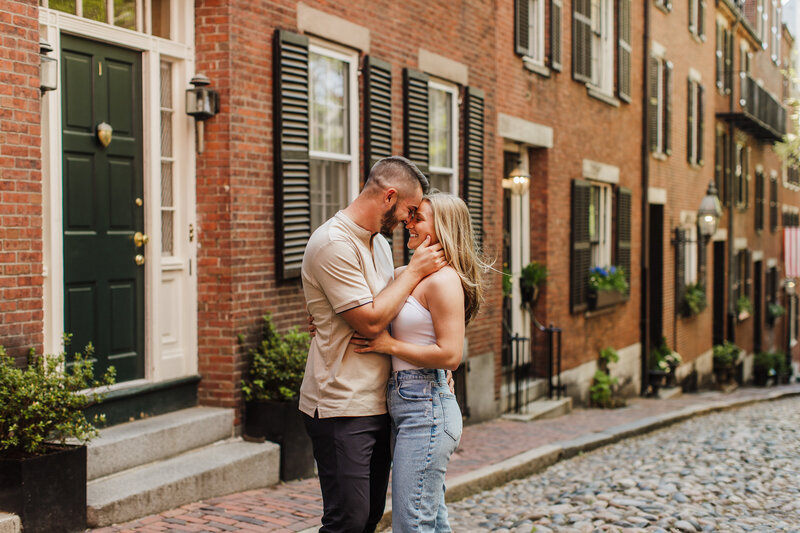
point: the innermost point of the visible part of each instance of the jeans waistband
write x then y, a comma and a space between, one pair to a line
421, 374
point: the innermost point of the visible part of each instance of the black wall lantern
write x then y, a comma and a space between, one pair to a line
48, 68
202, 103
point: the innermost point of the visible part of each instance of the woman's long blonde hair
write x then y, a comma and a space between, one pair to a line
453, 227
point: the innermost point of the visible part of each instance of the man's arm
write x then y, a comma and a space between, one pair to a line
372, 318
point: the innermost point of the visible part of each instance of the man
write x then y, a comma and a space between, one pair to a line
347, 270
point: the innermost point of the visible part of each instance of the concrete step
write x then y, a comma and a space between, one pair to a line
9, 523
542, 409
144, 441
215, 470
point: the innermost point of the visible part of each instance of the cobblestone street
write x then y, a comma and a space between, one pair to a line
734, 471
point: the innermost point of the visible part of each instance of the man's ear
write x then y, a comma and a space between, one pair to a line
390, 196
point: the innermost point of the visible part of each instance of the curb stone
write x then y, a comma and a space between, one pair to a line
9, 523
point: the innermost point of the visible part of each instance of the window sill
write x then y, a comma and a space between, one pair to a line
665, 8
534, 66
698, 38
596, 92
696, 166
661, 156
741, 317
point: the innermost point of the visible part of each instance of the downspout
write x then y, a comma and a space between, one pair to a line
645, 237
730, 192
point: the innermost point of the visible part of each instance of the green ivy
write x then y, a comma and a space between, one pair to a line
42, 403
278, 364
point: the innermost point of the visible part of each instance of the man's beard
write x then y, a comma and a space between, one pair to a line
389, 221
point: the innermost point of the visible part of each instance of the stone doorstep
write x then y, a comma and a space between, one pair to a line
144, 441
665, 393
215, 470
9, 523
540, 409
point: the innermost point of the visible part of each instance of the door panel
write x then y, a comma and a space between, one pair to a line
104, 286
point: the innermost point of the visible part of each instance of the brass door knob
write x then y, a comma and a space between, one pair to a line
139, 259
140, 238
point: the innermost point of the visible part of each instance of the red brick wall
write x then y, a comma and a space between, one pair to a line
21, 281
583, 128
237, 279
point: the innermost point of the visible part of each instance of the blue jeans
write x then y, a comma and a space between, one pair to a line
426, 428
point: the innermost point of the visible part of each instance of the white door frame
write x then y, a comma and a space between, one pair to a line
160, 362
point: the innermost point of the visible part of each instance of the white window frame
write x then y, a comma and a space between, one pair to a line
601, 251
694, 12
775, 34
696, 118
690, 255
603, 46
536, 30
761, 22
452, 89
660, 56
350, 57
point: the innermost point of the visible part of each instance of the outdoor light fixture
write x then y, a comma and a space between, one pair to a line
710, 212
518, 180
789, 286
202, 103
48, 68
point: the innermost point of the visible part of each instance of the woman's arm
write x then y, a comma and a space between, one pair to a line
445, 298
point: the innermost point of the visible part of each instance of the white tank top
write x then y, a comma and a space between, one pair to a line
413, 324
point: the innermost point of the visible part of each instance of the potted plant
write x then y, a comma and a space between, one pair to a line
607, 286
663, 363
42, 478
694, 299
272, 391
764, 368
743, 307
774, 311
725, 357
532, 276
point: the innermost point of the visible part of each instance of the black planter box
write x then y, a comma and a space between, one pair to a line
282, 422
601, 299
48, 492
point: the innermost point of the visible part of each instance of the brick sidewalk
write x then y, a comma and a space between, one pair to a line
297, 506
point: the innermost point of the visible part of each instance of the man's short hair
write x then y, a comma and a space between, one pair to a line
396, 170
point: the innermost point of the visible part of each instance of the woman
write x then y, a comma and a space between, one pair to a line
427, 336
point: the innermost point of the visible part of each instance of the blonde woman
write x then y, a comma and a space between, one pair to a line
427, 338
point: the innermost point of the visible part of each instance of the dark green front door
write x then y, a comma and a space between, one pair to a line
102, 192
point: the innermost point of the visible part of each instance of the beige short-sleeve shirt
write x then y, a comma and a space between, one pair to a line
344, 267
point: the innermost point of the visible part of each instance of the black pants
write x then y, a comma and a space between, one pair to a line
353, 460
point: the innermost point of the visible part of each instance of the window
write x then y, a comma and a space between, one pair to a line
690, 254
793, 175
697, 18
745, 60
724, 56
791, 218
743, 282
742, 175
695, 123
600, 224
536, 30
443, 136
333, 135
602, 45
775, 32
531, 28
660, 108
167, 162
120, 13
761, 22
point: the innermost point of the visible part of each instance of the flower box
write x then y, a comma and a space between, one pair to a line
602, 299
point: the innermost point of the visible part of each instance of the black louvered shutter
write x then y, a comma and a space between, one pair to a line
292, 165
720, 55
582, 40
415, 118
521, 27
701, 126
377, 111
625, 51
473, 158
556, 14
728, 61
773, 205
652, 108
667, 107
748, 268
727, 169
690, 155
759, 207
719, 163
680, 268
623, 240
746, 175
581, 253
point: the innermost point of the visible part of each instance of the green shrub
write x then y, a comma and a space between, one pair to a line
725, 354
42, 403
278, 364
602, 390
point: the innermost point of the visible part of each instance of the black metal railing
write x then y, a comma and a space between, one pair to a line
761, 107
525, 361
